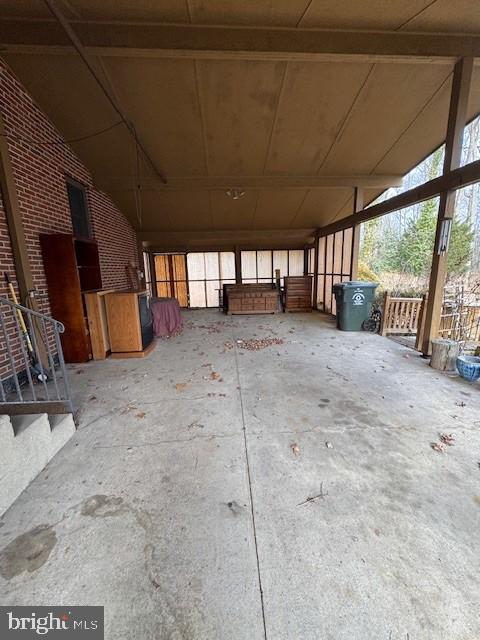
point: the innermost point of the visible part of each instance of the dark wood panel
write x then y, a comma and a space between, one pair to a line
64, 293
88, 264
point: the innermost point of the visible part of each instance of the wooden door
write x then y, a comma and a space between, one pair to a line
163, 284
180, 279
171, 277
64, 293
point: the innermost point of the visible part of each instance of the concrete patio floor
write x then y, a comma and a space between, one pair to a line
182, 502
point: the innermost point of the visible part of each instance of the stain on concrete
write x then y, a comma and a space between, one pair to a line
476, 499
102, 506
234, 507
28, 551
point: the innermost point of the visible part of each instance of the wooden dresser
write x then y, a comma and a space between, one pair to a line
252, 298
298, 293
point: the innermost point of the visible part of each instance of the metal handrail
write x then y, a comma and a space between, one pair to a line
60, 325
36, 379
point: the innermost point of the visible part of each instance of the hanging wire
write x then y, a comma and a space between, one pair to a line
20, 138
137, 186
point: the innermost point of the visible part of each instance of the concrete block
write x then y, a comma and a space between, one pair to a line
62, 429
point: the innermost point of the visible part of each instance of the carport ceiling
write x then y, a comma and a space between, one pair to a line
295, 118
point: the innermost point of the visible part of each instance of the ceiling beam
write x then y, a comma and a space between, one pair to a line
234, 42
226, 240
215, 183
451, 181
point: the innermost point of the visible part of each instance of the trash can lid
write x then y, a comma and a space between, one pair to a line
357, 283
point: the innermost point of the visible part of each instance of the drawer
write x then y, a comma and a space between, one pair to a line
298, 301
271, 305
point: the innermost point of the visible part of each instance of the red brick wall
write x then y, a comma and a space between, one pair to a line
39, 168
7, 264
115, 249
40, 171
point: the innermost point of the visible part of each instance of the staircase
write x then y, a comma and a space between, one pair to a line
36, 412
27, 444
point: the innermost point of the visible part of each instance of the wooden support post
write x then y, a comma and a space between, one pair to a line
457, 116
23, 272
385, 313
238, 266
14, 219
421, 323
305, 261
153, 274
357, 206
315, 272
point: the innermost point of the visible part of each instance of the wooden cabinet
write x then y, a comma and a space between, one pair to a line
71, 267
252, 298
298, 293
130, 324
97, 323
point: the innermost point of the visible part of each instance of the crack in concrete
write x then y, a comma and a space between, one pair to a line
89, 424
249, 478
154, 443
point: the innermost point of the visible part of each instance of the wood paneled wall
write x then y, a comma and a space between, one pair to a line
334, 265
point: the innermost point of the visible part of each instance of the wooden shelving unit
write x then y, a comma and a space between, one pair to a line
71, 267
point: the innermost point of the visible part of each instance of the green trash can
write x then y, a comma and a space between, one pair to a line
354, 303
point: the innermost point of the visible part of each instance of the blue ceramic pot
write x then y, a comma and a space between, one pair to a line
469, 367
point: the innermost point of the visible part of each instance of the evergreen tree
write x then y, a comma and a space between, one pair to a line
370, 243
389, 251
416, 246
460, 249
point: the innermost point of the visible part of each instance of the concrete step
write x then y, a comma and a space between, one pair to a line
62, 429
27, 444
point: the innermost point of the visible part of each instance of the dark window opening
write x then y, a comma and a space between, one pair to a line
77, 199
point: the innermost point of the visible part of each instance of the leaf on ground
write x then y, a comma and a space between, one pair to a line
447, 439
195, 424
295, 449
181, 386
128, 408
437, 447
214, 376
140, 414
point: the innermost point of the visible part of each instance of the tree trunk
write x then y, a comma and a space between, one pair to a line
444, 354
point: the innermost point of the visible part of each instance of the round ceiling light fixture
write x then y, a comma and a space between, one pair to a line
235, 193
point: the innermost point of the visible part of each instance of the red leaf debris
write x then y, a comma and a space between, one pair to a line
254, 344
